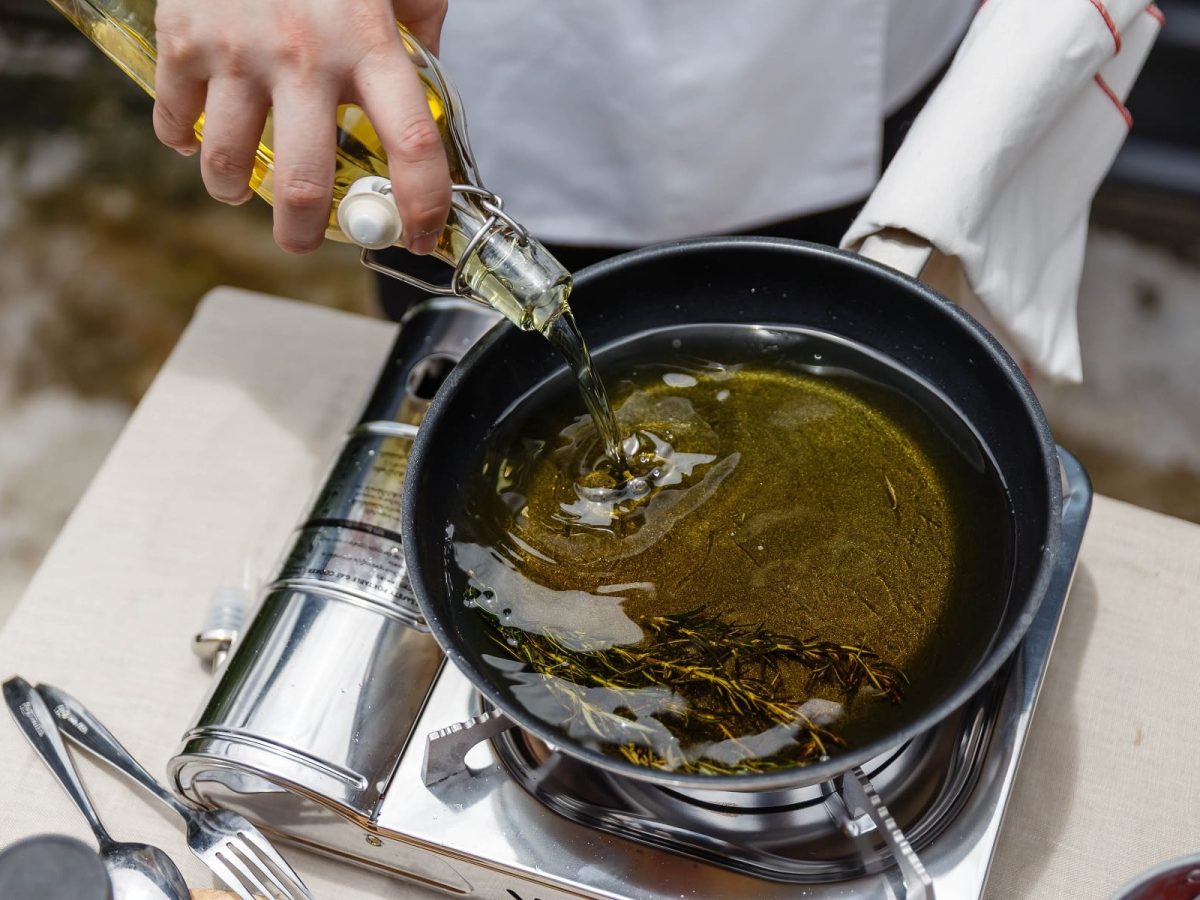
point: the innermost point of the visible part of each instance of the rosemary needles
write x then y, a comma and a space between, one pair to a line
701, 693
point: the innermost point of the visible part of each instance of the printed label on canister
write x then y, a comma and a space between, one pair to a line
359, 560
366, 484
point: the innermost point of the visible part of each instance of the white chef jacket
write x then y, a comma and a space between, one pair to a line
626, 122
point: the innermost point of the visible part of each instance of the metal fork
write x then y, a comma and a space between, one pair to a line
223, 840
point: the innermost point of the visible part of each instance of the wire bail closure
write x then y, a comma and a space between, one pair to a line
496, 221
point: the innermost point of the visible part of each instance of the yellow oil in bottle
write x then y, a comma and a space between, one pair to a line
517, 277
124, 31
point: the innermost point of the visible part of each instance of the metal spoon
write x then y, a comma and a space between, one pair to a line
137, 871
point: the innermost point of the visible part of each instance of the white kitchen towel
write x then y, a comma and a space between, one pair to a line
998, 171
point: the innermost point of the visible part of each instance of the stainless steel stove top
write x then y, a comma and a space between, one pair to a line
332, 754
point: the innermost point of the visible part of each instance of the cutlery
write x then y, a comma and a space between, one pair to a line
223, 840
137, 871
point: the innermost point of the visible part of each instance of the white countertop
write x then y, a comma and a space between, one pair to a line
215, 468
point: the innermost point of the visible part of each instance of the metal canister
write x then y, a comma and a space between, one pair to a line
311, 712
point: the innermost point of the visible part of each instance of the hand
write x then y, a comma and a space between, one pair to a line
235, 59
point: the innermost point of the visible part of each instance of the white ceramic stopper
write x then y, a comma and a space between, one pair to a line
368, 216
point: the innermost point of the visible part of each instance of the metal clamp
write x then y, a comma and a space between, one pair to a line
497, 219
861, 799
446, 749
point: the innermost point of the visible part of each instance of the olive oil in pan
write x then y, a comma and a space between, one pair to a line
799, 558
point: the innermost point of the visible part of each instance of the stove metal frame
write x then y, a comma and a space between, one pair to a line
313, 752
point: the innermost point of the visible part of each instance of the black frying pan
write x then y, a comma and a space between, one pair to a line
741, 280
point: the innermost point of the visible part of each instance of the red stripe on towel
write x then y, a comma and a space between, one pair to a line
1112, 28
1121, 108
1157, 13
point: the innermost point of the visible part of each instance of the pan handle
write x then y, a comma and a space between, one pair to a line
898, 249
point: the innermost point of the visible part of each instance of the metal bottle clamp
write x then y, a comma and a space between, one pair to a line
497, 219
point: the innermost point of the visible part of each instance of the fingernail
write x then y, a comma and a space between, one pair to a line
423, 243
187, 151
236, 201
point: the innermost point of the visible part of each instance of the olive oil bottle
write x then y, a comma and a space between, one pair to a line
495, 260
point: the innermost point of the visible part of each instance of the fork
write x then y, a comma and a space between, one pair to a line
223, 840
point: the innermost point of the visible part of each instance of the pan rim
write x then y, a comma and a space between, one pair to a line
1001, 650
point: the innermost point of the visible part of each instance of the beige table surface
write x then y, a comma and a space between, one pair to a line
217, 462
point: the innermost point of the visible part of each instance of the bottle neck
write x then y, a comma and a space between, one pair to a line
499, 264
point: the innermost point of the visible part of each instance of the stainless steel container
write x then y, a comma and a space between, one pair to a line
310, 714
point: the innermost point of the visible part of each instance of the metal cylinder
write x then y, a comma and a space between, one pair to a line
319, 696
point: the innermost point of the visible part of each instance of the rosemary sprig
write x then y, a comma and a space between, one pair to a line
728, 676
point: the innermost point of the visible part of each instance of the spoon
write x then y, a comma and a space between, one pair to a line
137, 871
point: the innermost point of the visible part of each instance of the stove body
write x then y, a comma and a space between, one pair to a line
334, 714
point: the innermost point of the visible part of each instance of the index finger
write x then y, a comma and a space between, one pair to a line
394, 99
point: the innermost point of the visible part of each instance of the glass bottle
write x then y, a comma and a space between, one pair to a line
495, 260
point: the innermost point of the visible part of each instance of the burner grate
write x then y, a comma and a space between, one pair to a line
805, 835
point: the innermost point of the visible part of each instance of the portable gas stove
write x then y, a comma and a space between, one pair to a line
335, 726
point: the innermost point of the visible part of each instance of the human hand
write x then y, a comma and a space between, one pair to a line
234, 59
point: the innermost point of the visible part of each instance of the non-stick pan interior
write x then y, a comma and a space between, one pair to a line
738, 281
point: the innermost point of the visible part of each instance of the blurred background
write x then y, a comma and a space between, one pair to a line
109, 241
